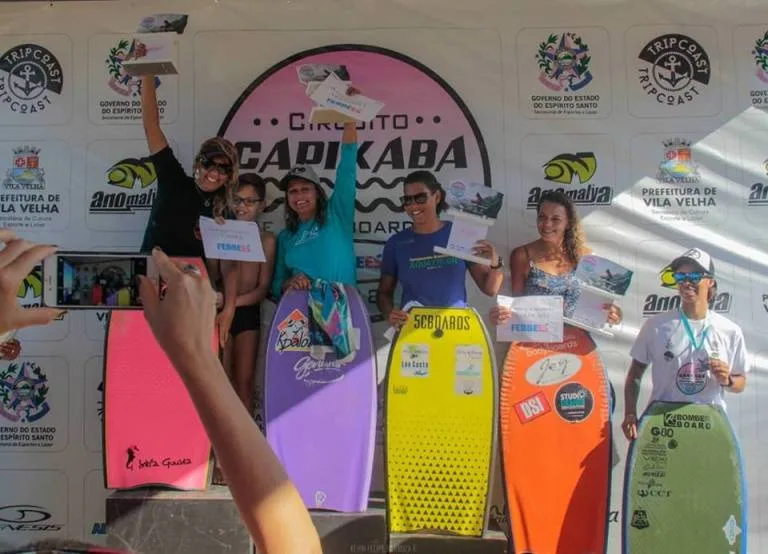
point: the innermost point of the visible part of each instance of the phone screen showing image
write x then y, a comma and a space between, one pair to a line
101, 281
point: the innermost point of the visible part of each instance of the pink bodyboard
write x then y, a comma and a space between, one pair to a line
152, 433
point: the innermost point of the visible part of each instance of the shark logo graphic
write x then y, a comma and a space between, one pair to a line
132, 172
32, 283
574, 173
30, 291
564, 167
136, 176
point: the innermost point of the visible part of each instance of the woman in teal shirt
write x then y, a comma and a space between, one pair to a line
317, 242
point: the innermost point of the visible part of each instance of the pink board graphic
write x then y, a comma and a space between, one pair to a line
424, 124
321, 414
152, 433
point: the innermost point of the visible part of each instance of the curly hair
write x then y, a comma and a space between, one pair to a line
219, 146
573, 241
431, 182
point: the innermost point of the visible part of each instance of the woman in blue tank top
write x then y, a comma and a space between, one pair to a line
547, 266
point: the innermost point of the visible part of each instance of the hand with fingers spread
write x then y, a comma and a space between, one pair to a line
17, 260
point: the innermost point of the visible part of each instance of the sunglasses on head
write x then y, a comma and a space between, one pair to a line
420, 198
208, 164
693, 277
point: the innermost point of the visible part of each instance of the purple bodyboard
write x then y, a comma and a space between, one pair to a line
320, 415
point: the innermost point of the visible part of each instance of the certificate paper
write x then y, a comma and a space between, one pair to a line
332, 93
462, 238
534, 319
232, 240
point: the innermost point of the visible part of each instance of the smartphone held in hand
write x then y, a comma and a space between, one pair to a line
95, 280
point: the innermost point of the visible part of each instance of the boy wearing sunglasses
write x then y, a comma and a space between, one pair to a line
696, 354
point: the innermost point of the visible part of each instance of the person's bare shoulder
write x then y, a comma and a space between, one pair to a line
268, 242
268, 237
519, 255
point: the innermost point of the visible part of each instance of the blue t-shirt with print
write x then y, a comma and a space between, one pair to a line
324, 252
425, 276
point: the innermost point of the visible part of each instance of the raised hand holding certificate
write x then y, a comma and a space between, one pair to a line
534, 319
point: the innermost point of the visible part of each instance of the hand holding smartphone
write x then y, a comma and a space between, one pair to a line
91, 280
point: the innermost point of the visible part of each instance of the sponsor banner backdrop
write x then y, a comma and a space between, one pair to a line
657, 130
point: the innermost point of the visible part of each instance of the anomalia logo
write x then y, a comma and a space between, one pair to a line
129, 188
574, 174
432, 130
658, 303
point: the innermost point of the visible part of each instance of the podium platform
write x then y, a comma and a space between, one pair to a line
153, 521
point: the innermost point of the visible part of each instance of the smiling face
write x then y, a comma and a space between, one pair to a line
302, 198
692, 292
420, 203
212, 174
552, 222
247, 204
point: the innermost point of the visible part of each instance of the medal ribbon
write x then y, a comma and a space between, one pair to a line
691, 336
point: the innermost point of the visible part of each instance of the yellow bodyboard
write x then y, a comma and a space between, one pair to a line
440, 423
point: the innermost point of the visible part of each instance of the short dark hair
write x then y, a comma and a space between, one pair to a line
252, 180
431, 182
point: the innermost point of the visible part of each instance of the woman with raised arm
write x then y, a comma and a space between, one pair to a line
173, 224
317, 242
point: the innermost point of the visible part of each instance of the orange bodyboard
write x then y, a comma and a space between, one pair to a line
556, 445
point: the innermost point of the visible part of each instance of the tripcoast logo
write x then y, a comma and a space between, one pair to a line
674, 69
31, 79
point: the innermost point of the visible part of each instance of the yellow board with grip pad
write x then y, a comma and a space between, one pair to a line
441, 420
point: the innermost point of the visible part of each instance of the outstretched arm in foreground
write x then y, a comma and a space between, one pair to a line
269, 504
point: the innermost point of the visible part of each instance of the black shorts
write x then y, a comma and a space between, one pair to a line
246, 318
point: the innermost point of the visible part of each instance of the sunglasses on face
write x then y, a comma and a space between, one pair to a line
249, 202
420, 198
694, 277
210, 165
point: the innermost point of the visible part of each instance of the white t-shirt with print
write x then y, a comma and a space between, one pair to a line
681, 374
